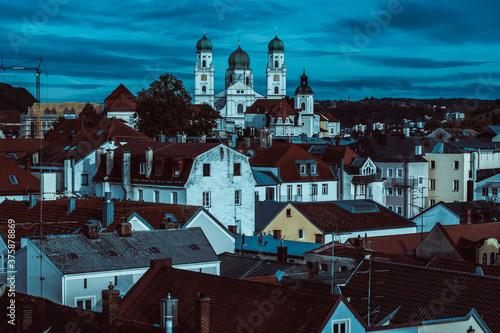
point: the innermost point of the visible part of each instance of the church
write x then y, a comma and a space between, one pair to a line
240, 106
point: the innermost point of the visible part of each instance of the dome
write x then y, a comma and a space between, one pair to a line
239, 59
276, 45
204, 44
303, 89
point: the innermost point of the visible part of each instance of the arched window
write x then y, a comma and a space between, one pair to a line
303, 106
276, 90
492, 258
276, 63
204, 64
204, 89
240, 108
485, 258
248, 80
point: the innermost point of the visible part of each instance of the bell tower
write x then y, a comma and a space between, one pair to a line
204, 73
276, 70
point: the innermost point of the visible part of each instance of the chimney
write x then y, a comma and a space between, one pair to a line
320, 238
164, 224
127, 187
108, 210
282, 253
202, 313
110, 155
419, 150
169, 313
124, 227
466, 216
203, 138
25, 315
90, 230
27, 165
156, 264
277, 234
233, 229
68, 177
71, 205
35, 157
149, 161
98, 155
110, 304
32, 201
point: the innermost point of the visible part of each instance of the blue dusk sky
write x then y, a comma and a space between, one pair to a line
349, 48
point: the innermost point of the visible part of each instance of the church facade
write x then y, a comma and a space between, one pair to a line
235, 102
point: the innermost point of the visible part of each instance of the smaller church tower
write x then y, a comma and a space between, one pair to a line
304, 97
204, 73
239, 68
276, 70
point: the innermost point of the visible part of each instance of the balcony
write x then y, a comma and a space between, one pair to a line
286, 198
376, 177
402, 182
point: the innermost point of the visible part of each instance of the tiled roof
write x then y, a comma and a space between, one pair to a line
284, 156
121, 99
392, 244
166, 153
10, 117
55, 153
273, 280
464, 266
21, 147
335, 154
279, 108
330, 117
265, 178
395, 146
58, 222
231, 302
130, 252
239, 267
96, 131
15, 180
483, 174
423, 293
479, 209
48, 316
266, 211
351, 215
473, 232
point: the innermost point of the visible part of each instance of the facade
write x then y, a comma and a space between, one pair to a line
213, 176
121, 104
487, 185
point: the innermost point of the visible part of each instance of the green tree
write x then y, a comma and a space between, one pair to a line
164, 107
203, 120
89, 111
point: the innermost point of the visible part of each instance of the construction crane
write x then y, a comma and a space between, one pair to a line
36, 65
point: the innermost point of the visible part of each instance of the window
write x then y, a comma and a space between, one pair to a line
432, 184
237, 197
492, 258
361, 189
206, 170
140, 195
13, 180
240, 108
204, 89
158, 169
206, 199
85, 179
341, 327
324, 189
276, 64
313, 168
276, 90
84, 283
237, 169
288, 212
289, 190
204, 63
116, 280
299, 189
176, 170
420, 180
399, 210
455, 165
270, 193
399, 192
494, 191
302, 170
314, 189
303, 106
84, 304
389, 190
432, 202
157, 196
399, 173
174, 198
455, 185
390, 207
142, 168
485, 258
433, 165
302, 234
484, 191
247, 80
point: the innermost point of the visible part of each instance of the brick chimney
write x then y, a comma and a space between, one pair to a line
110, 304
90, 230
233, 229
202, 313
282, 253
124, 227
320, 238
27, 165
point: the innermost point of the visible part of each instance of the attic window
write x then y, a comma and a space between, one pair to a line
73, 148
154, 249
72, 255
111, 253
193, 247
60, 132
100, 132
73, 131
13, 180
302, 169
66, 148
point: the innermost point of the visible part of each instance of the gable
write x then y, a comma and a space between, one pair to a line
437, 244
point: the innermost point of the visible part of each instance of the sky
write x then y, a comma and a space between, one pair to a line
349, 48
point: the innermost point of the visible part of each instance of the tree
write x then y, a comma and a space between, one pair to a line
203, 120
12, 98
164, 107
89, 111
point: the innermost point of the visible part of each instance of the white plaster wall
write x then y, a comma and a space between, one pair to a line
343, 237
217, 237
438, 213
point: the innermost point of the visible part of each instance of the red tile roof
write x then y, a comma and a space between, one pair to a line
121, 99
464, 266
15, 180
423, 293
272, 280
284, 156
331, 217
96, 131
392, 244
21, 147
330, 117
10, 117
335, 154
279, 108
232, 301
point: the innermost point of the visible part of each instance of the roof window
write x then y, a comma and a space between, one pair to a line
111, 253
13, 180
154, 249
72, 255
194, 247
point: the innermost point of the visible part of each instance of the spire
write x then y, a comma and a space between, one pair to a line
276, 30
203, 32
239, 42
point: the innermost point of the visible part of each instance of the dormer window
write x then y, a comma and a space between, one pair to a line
313, 168
176, 170
302, 169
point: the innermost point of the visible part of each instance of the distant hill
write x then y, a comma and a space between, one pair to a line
15, 98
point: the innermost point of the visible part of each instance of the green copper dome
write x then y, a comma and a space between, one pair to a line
303, 89
239, 59
204, 44
276, 45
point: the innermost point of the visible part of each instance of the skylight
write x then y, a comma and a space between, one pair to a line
111, 253
65, 148
61, 131
154, 249
100, 132
72, 255
73, 148
193, 247
13, 180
